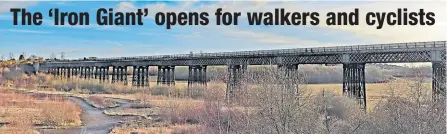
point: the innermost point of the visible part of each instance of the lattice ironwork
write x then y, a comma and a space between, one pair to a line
421, 56
235, 76
439, 80
354, 82
380, 53
166, 75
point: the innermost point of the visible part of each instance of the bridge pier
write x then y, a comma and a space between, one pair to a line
56, 72
102, 74
290, 70
289, 78
84, 73
98, 73
64, 73
50, 71
106, 74
122, 74
88, 72
81, 72
439, 80
235, 75
140, 76
166, 75
114, 74
95, 72
354, 82
75, 72
68, 72
197, 75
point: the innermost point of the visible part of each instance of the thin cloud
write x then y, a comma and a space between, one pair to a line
26, 31
5, 6
114, 43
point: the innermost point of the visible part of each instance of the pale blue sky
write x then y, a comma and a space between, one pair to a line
150, 39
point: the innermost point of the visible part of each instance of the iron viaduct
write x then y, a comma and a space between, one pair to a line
353, 59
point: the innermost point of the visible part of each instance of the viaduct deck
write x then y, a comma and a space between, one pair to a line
378, 53
353, 59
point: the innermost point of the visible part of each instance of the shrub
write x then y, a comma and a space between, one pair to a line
161, 90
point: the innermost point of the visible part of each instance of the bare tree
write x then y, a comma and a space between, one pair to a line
53, 56
62, 55
408, 109
33, 57
11, 56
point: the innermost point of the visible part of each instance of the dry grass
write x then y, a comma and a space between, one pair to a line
173, 129
17, 130
100, 102
143, 112
25, 111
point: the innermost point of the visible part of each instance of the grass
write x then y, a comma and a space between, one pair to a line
375, 92
173, 129
100, 102
25, 111
175, 108
143, 112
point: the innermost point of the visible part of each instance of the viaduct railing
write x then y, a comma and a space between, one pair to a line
353, 59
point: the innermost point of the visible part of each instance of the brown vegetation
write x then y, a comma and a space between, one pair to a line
277, 104
266, 102
100, 102
21, 111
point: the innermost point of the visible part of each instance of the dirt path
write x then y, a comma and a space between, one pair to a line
96, 122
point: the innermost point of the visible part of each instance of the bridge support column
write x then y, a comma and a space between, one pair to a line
85, 73
50, 71
235, 75
172, 76
166, 75
81, 72
197, 75
146, 76
289, 70
64, 73
88, 72
106, 74
439, 80
68, 72
76, 72
354, 82
60, 73
56, 72
100, 74
95, 72
121, 74
289, 76
124, 75
141, 76
136, 76
114, 74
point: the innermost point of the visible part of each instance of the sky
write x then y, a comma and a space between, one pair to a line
151, 39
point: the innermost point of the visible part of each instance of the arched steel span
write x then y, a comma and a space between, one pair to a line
353, 59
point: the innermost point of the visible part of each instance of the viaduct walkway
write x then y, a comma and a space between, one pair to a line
353, 59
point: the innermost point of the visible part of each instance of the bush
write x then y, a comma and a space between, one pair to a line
161, 90
182, 112
60, 113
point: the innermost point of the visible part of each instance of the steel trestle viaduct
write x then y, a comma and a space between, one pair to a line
353, 59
